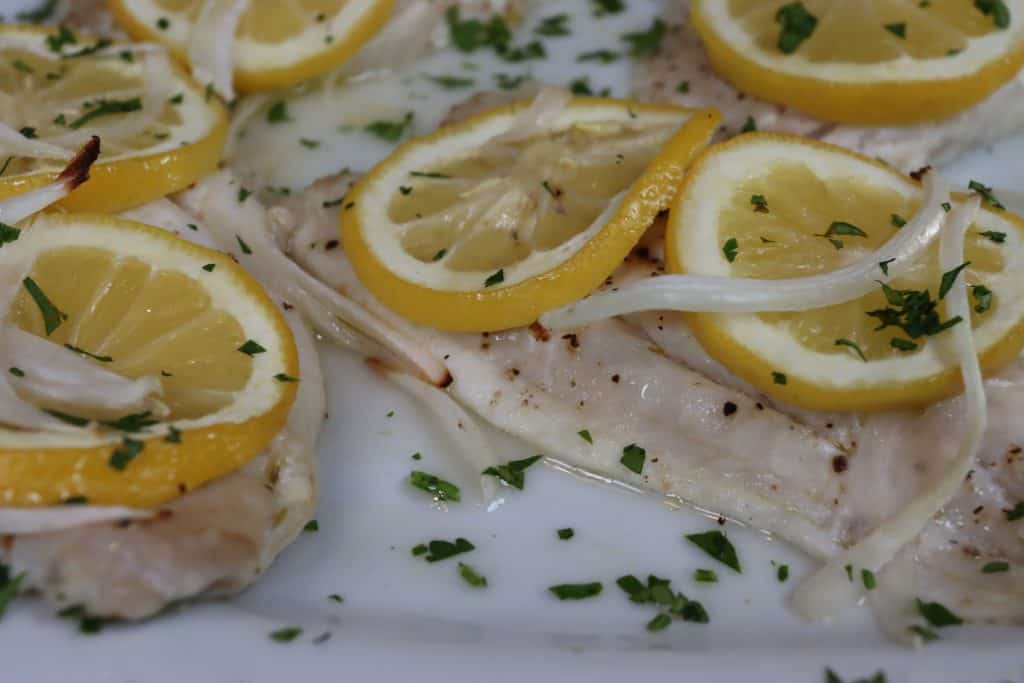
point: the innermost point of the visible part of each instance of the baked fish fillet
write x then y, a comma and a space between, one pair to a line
682, 58
213, 541
821, 481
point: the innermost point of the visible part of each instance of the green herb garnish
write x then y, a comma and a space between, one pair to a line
471, 577
566, 533
983, 296
125, 453
495, 278
435, 551
646, 43
730, 249
602, 56
995, 567
442, 490
986, 193
553, 26
798, 24
576, 591
452, 82
715, 544
251, 348
899, 30
633, 458
513, 473
996, 9
52, 316
994, 235
705, 576
312, 526
937, 615
949, 279
106, 107
585, 435
285, 635
779, 378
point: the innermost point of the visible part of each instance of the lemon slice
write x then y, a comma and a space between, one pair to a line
461, 230
60, 99
865, 61
147, 304
775, 206
277, 43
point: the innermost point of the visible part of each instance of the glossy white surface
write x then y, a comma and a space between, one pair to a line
404, 618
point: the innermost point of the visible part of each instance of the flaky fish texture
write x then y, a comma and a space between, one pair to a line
682, 58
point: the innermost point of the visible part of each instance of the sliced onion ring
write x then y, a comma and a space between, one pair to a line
719, 294
829, 590
211, 51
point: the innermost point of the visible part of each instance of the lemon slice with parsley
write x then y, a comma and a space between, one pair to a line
277, 44
59, 88
467, 230
767, 206
868, 61
143, 303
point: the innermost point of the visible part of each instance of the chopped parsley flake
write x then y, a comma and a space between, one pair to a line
251, 348
585, 435
897, 220
435, 551
633, 458
106, 107
495, 278
309, 144
986, 193
22, 66
718, 546
602, 56
659, 623
17, 372
852, 345
470, 576
209, 267
473, 34
659, 592
841, 228
40, 14
646, 43
8, 234
902, 344
868, 578
442, 490
782, 573
730, 249
949, 279
996, 9
311, 526
452, 82
913, 311
983, 296
779, 378
52, 316
278, 112
749, 126
83, 352
1016, 513
553, 26
391, 131
798, 24
282, 377
576, 591
439, 255
173, 435
513, 473
136, 422
705, 576
286, 635
759, 203
995, 567
566, 533
899, 30
884, 265
125, 453
8, 587
163, 23
994, 235
605, 7
241, 243
57, 41
937, 615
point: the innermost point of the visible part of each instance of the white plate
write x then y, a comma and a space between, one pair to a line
404, 618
